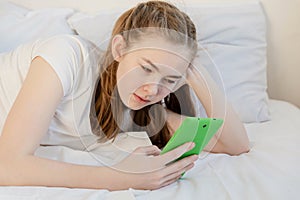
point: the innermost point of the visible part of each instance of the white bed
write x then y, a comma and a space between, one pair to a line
270, 171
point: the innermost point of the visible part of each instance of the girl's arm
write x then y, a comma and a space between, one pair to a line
232, 137
28, 121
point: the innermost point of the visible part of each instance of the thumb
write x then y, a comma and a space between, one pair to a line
147, 150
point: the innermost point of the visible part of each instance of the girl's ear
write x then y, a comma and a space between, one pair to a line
117, 47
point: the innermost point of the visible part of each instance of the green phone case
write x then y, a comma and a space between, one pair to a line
198, 130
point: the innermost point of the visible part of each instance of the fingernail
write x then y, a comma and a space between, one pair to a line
192, 145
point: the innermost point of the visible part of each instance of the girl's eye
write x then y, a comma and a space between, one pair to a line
170, 81
146, 69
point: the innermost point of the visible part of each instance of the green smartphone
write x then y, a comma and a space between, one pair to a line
193, 129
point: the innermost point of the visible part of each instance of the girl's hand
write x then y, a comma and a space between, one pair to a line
147, 169
195, 73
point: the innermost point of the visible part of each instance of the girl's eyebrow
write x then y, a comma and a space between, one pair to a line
154, 66
148, 61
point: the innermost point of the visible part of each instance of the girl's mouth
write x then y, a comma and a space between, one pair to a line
140, 99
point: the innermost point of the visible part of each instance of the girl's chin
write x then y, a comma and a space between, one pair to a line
133, 106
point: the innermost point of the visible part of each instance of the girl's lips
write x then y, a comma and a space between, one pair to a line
139, 99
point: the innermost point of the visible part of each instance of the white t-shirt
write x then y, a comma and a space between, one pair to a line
75, 61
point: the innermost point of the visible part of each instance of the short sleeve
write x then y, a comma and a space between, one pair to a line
64, 54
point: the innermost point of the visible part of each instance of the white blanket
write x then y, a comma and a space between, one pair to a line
271, 170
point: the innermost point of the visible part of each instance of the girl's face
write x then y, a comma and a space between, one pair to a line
147, 75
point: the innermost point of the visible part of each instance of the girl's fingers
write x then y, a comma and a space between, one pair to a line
147, 150
169, 182
170, 178
177, 174
176, 153
144, 160
179, 166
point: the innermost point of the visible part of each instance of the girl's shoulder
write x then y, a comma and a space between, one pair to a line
67, 42
72, 57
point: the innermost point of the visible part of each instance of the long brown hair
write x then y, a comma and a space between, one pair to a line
147, 14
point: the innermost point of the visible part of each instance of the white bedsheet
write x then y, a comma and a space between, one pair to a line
271, 170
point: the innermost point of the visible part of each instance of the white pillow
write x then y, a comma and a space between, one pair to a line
233, 42
20, 25
96, 28
234, 36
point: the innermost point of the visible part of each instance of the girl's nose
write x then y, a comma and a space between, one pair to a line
151, 89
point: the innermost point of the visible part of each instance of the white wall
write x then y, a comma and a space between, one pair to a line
283, 20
